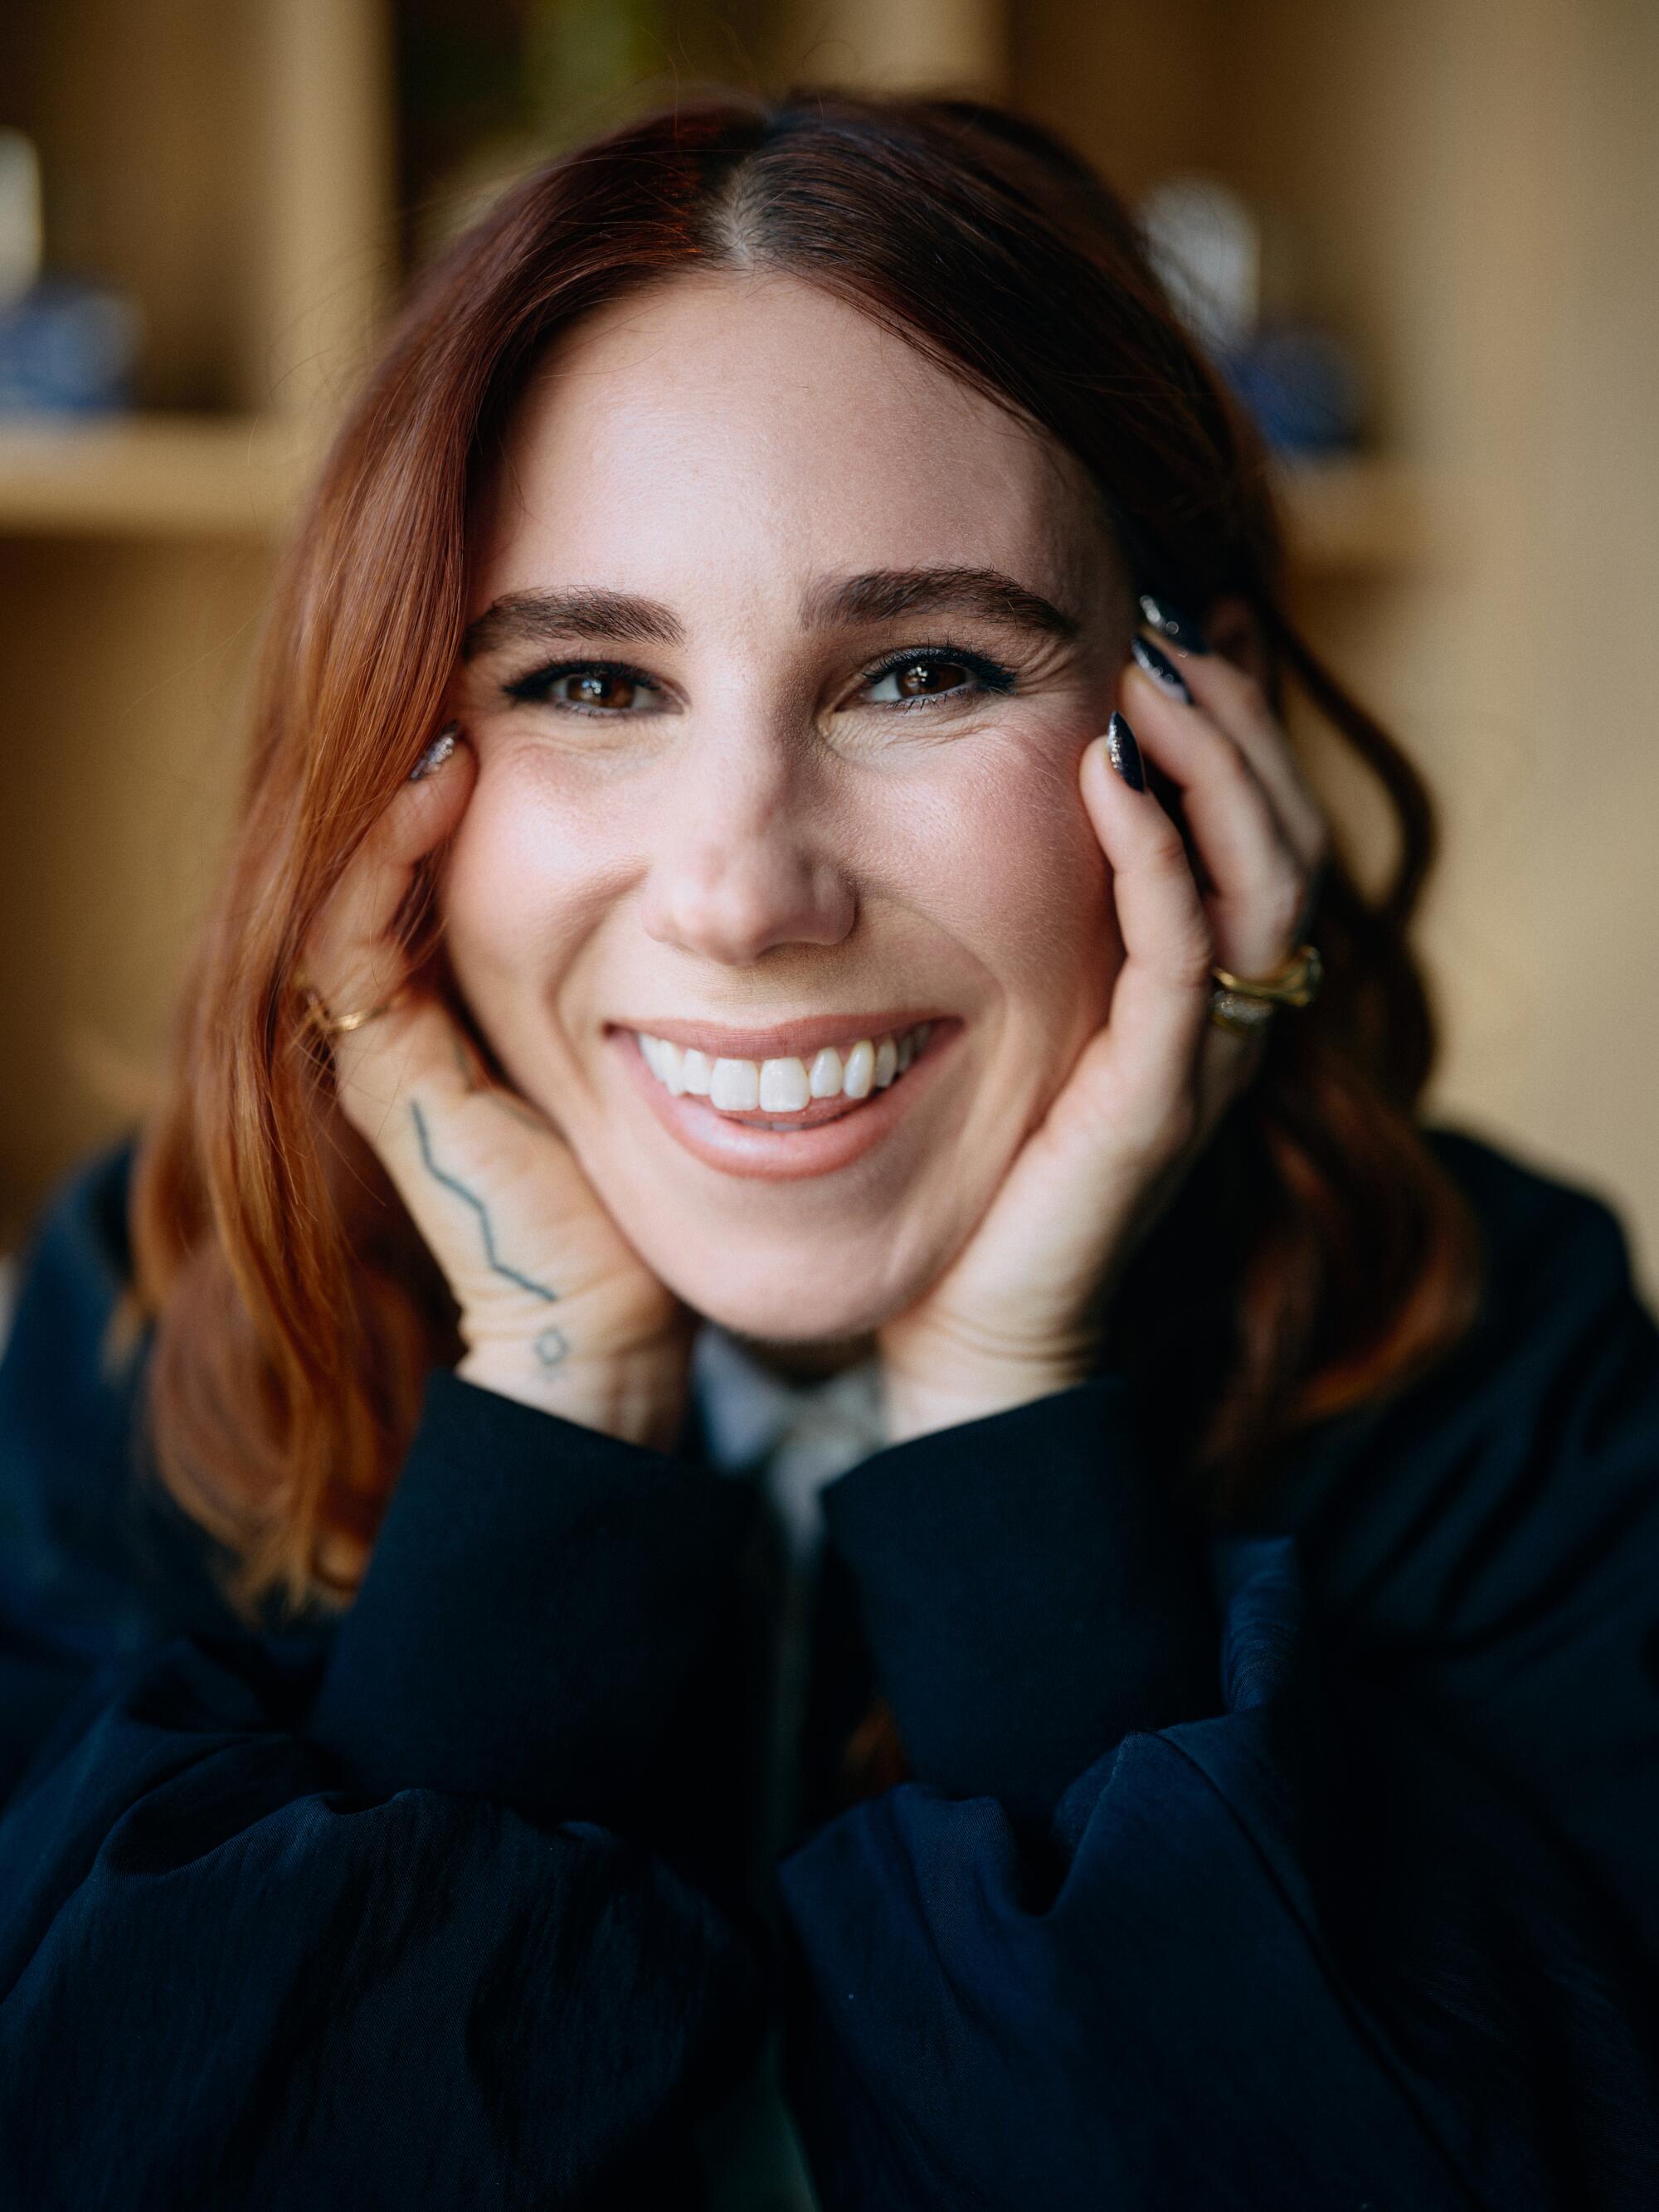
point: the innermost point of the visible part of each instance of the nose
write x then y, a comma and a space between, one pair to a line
742, 864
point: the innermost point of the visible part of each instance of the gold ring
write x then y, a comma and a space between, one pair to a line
329, 1025
1244, 1004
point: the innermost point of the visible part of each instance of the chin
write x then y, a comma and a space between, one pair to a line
780, 1308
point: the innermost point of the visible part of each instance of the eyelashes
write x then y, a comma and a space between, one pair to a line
537, 686
988, 675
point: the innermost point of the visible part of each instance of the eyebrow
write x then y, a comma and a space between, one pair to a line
550, 617
885, 594
545, 617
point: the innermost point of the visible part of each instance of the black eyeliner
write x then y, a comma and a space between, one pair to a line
991, 673
533, 685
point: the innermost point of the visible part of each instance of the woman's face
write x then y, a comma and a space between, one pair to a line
784, 650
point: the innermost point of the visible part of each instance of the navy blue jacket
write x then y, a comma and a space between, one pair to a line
1316, 1866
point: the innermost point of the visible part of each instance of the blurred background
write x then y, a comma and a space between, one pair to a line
1419, 234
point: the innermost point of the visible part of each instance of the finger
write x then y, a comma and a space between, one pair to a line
1261, 882
1236, 702
351, 957
1160, 1000
413, 1051
459, 1164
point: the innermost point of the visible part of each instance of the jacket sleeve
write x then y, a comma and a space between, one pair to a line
400, 1916
1303, 1867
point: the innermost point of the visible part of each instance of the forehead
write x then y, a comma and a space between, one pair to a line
741, 432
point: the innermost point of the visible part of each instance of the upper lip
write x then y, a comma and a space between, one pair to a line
795, 1040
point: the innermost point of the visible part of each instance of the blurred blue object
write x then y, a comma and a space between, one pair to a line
1302, 386
66, 347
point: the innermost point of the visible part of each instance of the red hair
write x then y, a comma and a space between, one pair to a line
295, 1311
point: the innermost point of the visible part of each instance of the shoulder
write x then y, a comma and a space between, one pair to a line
96, 1557
1435, 1511
1532, 1218
79, 1249
72, 1273
1559, 1311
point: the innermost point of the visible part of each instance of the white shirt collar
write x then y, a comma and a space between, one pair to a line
797, 1436
748, 1409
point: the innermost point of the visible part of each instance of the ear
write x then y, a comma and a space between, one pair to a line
1231, 630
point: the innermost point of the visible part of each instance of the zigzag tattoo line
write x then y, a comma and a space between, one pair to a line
497, 1264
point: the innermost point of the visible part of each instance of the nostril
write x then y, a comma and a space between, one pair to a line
736, 904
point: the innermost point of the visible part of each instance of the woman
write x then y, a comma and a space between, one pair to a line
745, 859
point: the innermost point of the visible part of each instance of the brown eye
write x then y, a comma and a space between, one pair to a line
608, 690
927, 676
922, 677
601, 687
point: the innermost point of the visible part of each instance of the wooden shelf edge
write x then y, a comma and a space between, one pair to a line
152, 476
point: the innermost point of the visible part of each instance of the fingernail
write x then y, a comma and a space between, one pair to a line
1160, 667
1167, 619
437, 753
1124, 753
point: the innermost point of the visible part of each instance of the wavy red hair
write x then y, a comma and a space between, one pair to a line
295, 1313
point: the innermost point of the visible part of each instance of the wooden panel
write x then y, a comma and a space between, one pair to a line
326, 235
1132, 83
895, 45
122, 745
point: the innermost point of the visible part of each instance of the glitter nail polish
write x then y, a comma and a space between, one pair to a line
437, 753
1124, 752
1168, 620
1160, 667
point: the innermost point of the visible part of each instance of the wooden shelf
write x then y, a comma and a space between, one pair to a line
239, 476
153, 476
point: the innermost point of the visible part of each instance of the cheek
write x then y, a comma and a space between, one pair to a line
1018, 876
513, 892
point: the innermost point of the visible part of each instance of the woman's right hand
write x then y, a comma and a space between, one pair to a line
557, 1308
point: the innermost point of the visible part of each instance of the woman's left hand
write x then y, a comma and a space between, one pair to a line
1018, 1314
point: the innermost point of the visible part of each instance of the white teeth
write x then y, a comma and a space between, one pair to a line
734, 1086
825, 1079
861, 1067
783, 1086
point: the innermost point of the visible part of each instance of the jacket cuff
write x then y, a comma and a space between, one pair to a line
539, 1616
1029, 1593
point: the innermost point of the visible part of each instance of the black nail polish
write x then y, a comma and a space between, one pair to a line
1124, 753
1160, 667
1168, 620
437, 753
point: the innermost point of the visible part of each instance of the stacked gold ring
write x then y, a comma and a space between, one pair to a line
1245, 1004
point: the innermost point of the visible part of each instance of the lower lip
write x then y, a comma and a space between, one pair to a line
740, 1148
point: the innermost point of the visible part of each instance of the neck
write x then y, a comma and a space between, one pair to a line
807, 1363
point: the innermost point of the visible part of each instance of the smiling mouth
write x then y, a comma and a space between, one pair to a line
790, 1094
